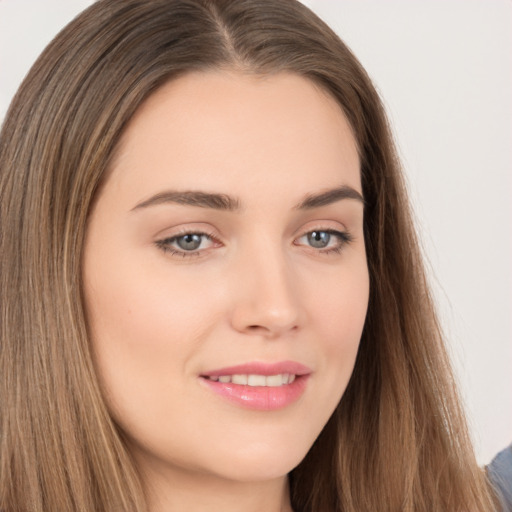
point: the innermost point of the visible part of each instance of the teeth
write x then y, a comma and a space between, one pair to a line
256, 380
239, 379
273, 381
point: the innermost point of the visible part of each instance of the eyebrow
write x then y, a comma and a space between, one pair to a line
192, 198
328, 197
224, 202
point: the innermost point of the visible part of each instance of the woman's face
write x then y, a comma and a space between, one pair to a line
225, 274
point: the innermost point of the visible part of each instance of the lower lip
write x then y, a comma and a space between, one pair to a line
261, 398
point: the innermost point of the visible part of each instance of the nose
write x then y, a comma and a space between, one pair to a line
267, 302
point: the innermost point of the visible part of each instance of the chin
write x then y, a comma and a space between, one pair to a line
262, 461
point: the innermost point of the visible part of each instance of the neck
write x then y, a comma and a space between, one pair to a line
175, 491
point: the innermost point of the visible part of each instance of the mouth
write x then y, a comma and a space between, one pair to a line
254, 380
259, 386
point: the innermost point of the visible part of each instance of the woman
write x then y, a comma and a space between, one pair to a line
211, 202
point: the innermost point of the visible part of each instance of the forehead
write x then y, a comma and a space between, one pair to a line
209, 130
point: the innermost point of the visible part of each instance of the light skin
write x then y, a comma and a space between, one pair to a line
265, 264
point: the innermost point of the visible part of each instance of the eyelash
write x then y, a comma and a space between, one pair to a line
165, 244
344, 238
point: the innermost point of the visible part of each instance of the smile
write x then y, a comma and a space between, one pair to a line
254, 380
259, 386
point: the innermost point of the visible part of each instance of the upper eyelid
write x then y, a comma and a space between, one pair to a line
191, 232
176, 232
213, 234
322, 224
339, 229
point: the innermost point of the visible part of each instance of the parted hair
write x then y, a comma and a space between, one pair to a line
396, 441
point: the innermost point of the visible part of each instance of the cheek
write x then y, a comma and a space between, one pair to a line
145, 334
340, 315
140, 306
340, 307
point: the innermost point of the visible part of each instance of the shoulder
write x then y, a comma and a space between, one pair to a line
500, 475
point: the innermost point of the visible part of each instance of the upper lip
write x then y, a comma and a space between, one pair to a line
260, 368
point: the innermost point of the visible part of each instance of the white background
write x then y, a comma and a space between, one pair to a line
444, 69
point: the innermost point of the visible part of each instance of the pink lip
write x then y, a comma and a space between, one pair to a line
260, 368
263, 398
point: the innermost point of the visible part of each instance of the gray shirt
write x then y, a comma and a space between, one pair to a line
500, 474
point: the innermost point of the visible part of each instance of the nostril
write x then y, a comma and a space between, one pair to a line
256, 328
267, 331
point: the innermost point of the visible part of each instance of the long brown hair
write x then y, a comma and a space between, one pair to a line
397, 440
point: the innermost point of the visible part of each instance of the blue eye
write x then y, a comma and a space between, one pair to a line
325, 240
319, 239
187, 244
